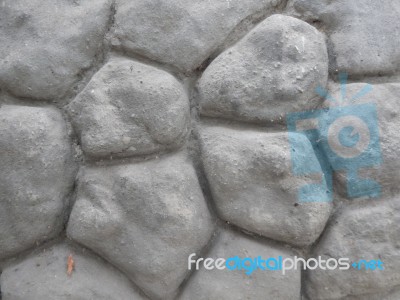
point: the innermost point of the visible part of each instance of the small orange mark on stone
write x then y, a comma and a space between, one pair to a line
70, 265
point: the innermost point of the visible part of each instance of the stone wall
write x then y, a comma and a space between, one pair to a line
136, 132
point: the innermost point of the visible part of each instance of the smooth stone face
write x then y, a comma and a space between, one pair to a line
235, 284
46, 45
385, 99
44, 273
145, 219
365, 230
253, 185
181, 33
129, 108
272, 71
362, 33
36, 174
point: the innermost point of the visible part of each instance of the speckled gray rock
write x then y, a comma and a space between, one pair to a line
273, 70
36, 174
364, 35
365, 231
45, 45
43, 275
145, 219
129, 108
182, 33
235, 284
253, 185
385, 97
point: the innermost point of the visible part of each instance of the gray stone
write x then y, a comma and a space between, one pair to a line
129, 108
45, 45
182, 33
253, 185
36, 174
235, 284
385, 99
364, 35
365, 231
44, 274
145, 219
273, 70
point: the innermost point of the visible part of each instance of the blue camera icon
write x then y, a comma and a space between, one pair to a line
344, 138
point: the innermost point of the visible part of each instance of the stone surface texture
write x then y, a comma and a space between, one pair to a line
46, 45
253, 186
364, 35
129, 108
43, 273
36, 176
181, 33
143, 218
385, 98
135, 133
273, 70
369, 232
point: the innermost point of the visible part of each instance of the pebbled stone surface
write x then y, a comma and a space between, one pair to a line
385, 99
46, 45
272, 71
129, 108
36, 175
253, 186
234, 284
363, 231
363, 34
181, 33
145, 219
44, 273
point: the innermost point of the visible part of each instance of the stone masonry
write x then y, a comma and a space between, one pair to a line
134, 133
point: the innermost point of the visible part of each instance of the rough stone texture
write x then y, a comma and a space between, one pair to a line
364, 35
44, 274
144, 218
253, 185
45, 45
129, 108
365, 231
272, 71
235, 285
36, 174
138, 110
181, 33
386, 99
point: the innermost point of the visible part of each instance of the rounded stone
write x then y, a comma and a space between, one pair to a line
254, 186
272, 71
129, 108
36, 175
46, 45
